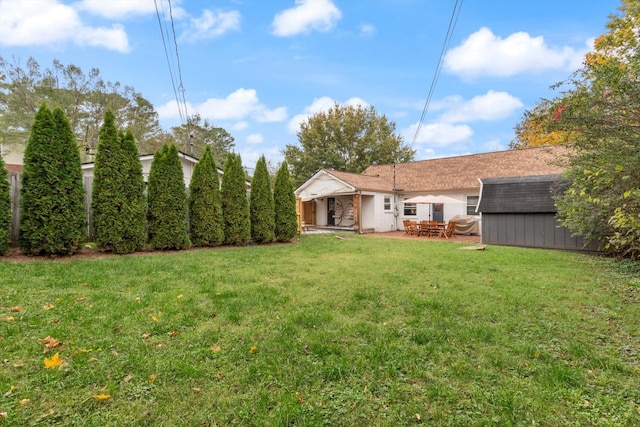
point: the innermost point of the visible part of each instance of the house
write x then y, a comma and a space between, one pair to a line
188, 164
372, 201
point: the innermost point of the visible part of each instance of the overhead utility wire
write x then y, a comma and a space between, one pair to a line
180, 85
452, 25
168, 58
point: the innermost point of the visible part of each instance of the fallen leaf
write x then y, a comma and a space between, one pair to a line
418, 417
9, 318
145, 336
197, 390
81, 299
215, 348
587, 404
154, 318
180, 296
48, 306
218, 374
253, 348
16, 309
128, 378
102, 396
137, 299
53, 361
3, 415
152, 377
299, 397
55, 321
58, 300
8, 393
50, 342
173, 334
25, 401
115, 353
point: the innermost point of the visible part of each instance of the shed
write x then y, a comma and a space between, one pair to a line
520, 211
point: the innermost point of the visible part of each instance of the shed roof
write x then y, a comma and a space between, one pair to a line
520, 194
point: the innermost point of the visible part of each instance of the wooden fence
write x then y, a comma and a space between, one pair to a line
14, 182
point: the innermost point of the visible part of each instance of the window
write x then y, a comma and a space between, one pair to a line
472, 203
410, 209
387, 203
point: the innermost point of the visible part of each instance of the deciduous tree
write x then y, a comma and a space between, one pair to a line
347, 138
199, 134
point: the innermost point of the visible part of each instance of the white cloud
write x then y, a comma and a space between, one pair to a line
318, 105
211, 24
255, 138
484, 53
49, 23
118, 9
307, 15
491, 106
237, 106
438, 134
367, 30
243, 124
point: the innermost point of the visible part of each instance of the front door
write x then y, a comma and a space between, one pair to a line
438, 212
331, 211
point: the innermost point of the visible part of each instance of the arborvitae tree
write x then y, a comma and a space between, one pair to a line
51, 198
5, 209
286, 217
133, 215
167, 214
118, 202
235, 206
261, 205
205, 204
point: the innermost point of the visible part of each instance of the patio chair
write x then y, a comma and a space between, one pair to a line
449, 231
410, 227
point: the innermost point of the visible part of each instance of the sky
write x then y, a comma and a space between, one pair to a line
258, 68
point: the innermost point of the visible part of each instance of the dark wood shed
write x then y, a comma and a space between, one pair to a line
520, 211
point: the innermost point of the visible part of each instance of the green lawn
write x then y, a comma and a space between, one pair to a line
365, 331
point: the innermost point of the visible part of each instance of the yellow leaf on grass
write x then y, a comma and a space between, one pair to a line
48, 306
24, 401
102, 396
253, 348
215, 348
9, 318
299, 397
154, 318
53, 361
81, 299
16, 309
10, 392
152, 377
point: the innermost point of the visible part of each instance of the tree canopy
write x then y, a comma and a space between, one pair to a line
347, 138
199, 134
600, 108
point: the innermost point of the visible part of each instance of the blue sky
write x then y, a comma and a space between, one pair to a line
259, 67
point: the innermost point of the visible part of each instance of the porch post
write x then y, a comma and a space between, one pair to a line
356, 212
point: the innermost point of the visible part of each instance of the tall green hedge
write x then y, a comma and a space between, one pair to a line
52, 210
235, 206
118, 201
167, 197
206, 224
5, 209
261, 205
285, 205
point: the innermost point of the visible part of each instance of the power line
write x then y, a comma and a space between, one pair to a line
184, 118
452, 25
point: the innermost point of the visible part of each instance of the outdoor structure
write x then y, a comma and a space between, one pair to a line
374, 200
188, 164
520, 211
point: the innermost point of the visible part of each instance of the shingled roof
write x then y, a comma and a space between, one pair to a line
460, 172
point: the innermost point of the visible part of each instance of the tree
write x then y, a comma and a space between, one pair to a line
83, 97
286, 218
52, 216
261, 205
199, 134
167, 214
5, 209
235, 206
601, 108
535, 129
345, 138
118, 200
205, 205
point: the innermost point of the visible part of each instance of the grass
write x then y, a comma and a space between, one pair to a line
323, 331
